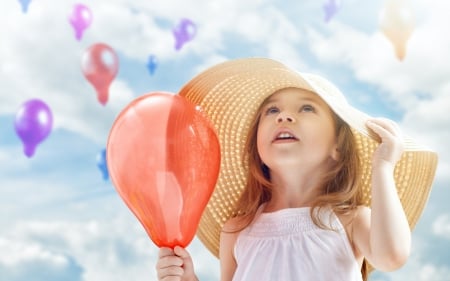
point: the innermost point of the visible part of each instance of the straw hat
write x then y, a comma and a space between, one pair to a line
230, 94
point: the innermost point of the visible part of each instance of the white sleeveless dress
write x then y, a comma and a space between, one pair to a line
286, 245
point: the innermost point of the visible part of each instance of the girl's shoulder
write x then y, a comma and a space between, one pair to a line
362, 215
234, 224
354, 217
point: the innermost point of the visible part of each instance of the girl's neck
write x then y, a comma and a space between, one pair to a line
293, 190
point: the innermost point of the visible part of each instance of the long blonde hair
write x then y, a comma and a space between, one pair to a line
339, 187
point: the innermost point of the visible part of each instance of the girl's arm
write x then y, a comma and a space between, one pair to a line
382, 234
228, 238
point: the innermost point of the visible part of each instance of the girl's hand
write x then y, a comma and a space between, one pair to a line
390, 149
175, 265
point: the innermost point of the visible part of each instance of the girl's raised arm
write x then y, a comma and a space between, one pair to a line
382, 234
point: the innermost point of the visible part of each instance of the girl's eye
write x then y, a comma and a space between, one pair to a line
307, 108
272, 110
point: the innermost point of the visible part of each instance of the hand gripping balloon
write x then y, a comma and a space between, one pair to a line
100, 65
33, 124
163, 158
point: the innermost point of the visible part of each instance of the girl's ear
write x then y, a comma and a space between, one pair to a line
335, 154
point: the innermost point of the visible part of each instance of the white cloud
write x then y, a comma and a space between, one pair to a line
105, 250
117, 249
21, 253
32, 261
441, 226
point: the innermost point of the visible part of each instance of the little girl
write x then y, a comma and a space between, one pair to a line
310, 188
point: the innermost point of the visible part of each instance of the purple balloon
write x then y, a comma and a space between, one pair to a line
184, 32
33, 124
330, 8
80, 19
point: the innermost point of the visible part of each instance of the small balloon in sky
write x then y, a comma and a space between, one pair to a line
33, 123
397, 23
80, 19
100, 65
330, 8
152, 63
102, 164
184, 32
24, 4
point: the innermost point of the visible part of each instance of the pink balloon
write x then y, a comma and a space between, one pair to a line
33, 124
100, 65
80, 19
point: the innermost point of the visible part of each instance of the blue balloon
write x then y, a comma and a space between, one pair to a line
24, 4
101, 164
152, 64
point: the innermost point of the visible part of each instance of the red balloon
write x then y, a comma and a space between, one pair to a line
100, 65
163, 157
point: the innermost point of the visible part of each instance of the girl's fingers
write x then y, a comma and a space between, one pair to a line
170, 273
391, 146
181, 252
188, 265
164, 251
383, 126
169, 265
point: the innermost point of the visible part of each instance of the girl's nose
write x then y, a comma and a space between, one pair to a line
285, 117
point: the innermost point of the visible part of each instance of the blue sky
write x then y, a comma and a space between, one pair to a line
60, 220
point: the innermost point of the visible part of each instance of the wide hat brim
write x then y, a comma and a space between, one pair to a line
230, 94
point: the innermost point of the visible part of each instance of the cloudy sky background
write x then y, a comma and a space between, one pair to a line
60, 220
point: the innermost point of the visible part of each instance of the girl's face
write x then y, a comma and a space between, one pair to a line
296, 127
